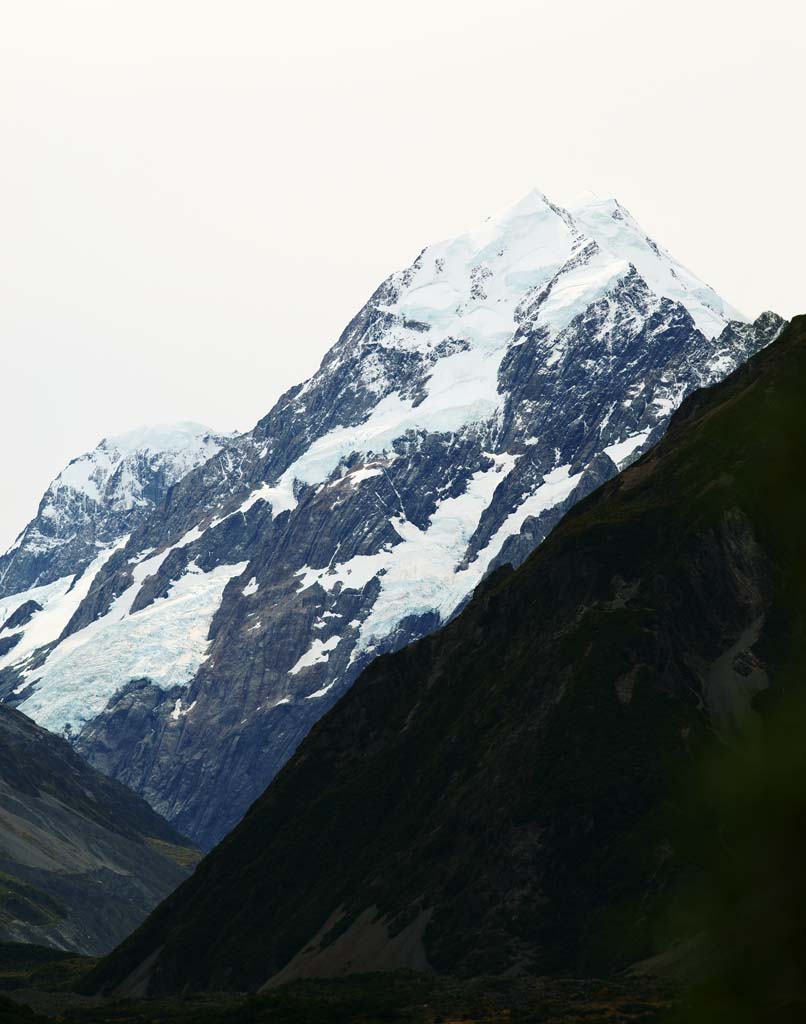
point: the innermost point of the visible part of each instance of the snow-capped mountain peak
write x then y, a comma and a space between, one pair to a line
472, 286
478, 395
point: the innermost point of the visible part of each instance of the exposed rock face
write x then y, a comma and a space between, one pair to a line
498, 797
82, 859
477, 396
22, 616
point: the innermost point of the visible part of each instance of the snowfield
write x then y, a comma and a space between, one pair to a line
164, 643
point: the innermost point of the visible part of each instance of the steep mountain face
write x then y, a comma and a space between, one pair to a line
477, 396
82, 859
496, 796
99, 498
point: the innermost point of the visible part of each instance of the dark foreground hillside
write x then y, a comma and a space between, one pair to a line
82, 858
503, 795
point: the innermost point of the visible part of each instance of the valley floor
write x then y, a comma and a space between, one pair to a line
36, 984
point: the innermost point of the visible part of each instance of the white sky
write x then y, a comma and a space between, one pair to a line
196, 196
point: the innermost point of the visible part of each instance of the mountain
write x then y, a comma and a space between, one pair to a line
99, 498
476, 397
499, 797
82, 859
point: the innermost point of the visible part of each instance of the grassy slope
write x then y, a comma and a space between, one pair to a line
512, 772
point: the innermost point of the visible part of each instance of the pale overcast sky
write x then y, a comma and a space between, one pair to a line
197, 195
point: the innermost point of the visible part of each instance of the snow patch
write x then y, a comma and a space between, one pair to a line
622, 450
318, 652
281, 498
358, 476
178, 711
